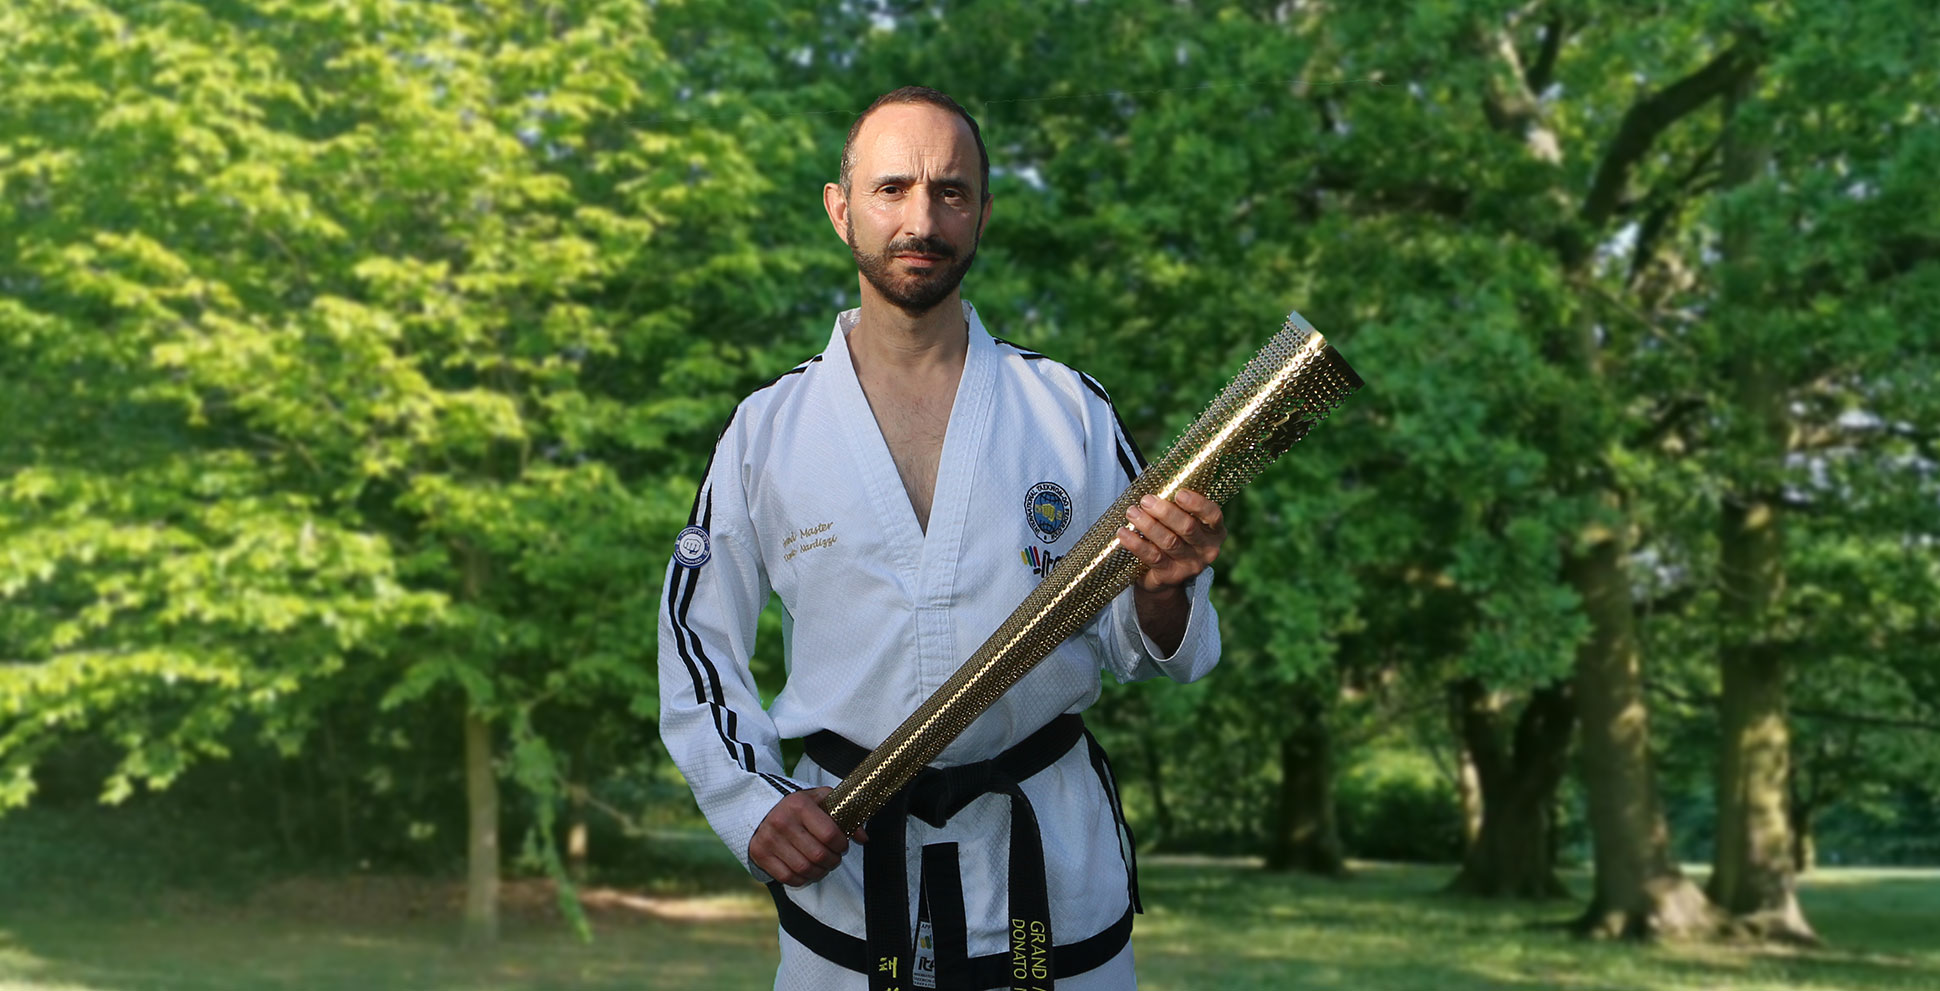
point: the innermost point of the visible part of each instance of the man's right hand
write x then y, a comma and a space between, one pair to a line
798, 843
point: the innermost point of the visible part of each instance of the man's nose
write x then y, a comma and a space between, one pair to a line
919, 214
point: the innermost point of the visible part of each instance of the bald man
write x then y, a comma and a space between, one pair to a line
901, 492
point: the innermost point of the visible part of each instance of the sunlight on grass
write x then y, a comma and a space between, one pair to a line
1230, 926
1211, 925
22, 970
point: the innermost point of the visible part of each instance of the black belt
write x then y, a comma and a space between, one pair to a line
935, 796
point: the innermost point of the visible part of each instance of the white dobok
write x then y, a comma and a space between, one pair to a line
802, 498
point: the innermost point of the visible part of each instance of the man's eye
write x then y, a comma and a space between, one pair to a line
890, 190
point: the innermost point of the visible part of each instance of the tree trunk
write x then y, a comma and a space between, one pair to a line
576, 835
1640, 891
482, 851
1805, 852
340, 795
1514, 856
1303, 835
1468, 777
1804, 809
1752, 870
285, 821
1155, 776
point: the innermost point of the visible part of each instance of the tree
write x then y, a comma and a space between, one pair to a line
1513, 853
368, 354
1781, 365
1752, 873
357, 342
1763, 392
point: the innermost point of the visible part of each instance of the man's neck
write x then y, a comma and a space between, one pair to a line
888, 341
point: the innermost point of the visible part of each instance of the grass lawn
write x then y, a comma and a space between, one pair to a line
1210, 924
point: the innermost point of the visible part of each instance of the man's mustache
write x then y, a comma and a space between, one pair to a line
922, 245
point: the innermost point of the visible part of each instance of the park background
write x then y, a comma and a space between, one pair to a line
359, 360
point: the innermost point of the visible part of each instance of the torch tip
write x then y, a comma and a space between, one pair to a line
1298, 324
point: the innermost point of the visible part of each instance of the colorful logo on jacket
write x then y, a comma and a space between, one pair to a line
1040, 560
1048, 508
692, 548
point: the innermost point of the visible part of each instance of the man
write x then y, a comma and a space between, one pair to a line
901, 492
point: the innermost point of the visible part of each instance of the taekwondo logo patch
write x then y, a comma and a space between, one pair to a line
692, 548
1048, 508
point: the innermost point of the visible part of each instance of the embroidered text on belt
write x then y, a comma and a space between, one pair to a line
935, 796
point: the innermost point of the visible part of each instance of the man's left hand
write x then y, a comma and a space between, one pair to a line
1177, 538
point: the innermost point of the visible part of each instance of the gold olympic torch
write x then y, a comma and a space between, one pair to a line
1292, 382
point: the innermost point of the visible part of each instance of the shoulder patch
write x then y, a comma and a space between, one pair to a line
692, 548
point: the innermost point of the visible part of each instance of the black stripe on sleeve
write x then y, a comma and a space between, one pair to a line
1126, 463
1130, 457
693, 514
684, 577
1124, 435
714, 676
680, 596
1022, 351
706, 678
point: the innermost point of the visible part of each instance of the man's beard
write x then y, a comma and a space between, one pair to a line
914, 294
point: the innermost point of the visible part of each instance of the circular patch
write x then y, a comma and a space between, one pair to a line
691, 548
1048, 508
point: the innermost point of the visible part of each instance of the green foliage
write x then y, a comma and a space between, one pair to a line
358, 360
353, 376
126, 860
1396, 806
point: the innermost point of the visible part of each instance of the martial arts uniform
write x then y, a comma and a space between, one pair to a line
801, 497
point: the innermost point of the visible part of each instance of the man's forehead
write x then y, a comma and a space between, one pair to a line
898, 131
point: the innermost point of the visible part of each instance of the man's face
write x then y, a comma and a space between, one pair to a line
914, 213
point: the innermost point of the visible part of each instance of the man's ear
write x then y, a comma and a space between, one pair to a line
837, 205
984, 221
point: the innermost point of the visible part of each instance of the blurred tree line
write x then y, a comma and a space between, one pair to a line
358, 360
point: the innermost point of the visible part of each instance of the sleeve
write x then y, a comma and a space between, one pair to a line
711, 717
1114, 460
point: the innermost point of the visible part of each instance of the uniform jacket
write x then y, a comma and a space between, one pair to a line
802, 499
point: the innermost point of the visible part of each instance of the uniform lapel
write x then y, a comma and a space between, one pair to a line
956, 468
942, 567
927, 562
900, 537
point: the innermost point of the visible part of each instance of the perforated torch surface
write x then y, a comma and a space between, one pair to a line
1294, 381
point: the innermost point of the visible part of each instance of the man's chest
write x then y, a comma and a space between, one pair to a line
837, 516
914, 429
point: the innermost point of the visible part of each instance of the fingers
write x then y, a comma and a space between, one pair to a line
1139, 547
1160, 523
812, 859
1176, 539
1204, 509
792, 861
1171, 525
794, 868
821, 829
797, 843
